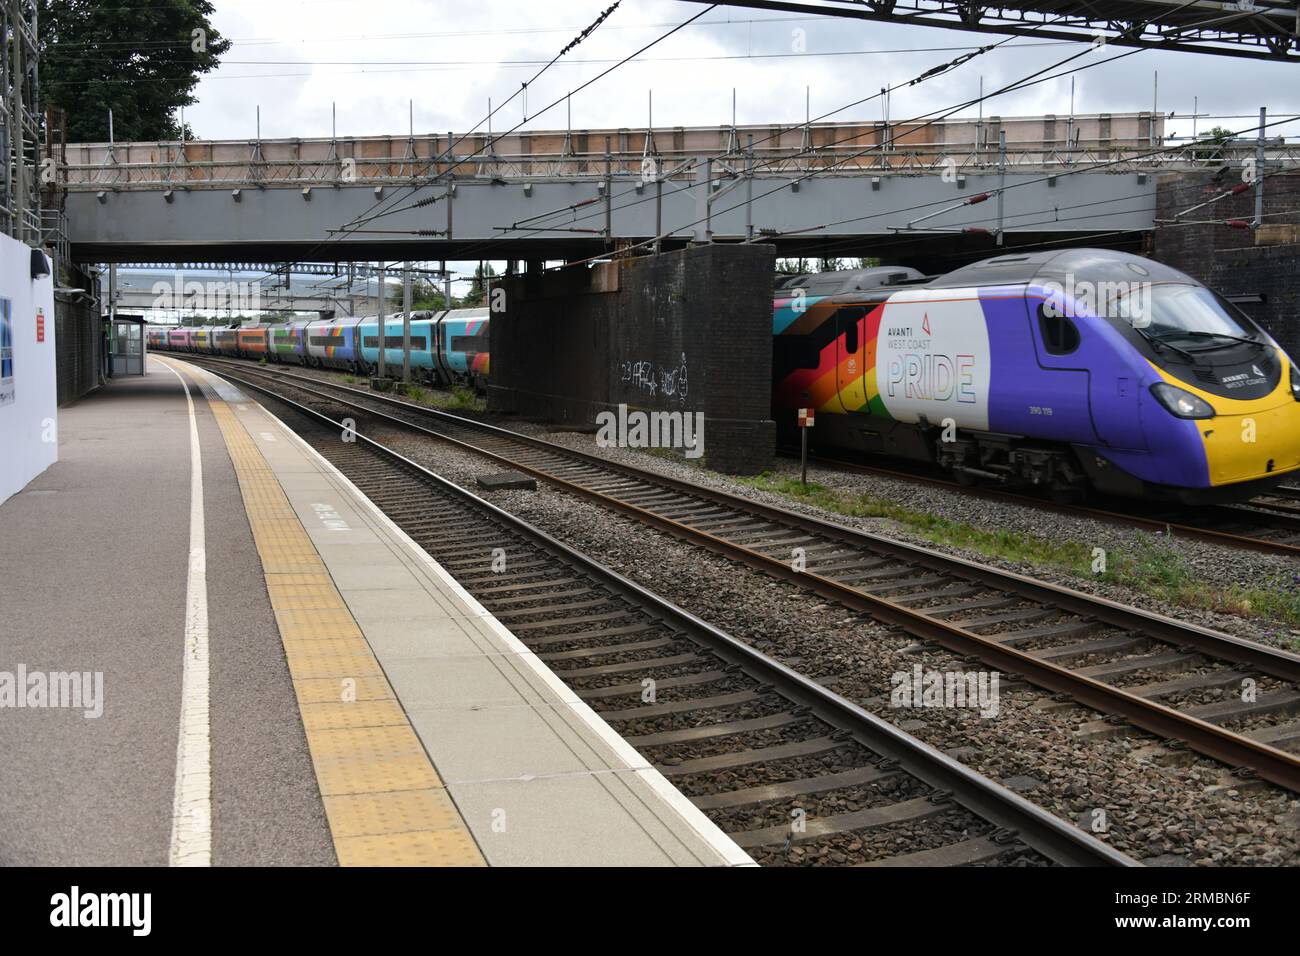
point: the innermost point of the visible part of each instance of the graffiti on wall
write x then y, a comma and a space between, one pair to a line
655, 380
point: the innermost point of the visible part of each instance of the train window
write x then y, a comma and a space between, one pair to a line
469, 343
847, 320
1060, 334
394, 342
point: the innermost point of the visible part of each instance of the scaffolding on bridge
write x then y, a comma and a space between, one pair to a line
20, 127
1034, 143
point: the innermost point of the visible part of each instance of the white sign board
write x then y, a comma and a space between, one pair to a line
28, 383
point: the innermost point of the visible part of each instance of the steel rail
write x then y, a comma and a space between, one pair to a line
1270, 763
1209, 535
1035, 827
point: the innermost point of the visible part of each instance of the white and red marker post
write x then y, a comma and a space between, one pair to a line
807, 418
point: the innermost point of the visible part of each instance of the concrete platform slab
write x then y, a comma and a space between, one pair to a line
93, 558
539, 777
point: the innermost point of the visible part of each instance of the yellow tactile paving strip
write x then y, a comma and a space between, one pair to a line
385, 803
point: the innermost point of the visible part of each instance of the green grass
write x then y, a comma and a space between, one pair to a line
416, 393
465, 398
351, 379
1153, 566
458, 398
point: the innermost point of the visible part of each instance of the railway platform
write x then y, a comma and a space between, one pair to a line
245, 662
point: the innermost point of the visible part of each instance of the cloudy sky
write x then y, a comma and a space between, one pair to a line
446, 58
295, 58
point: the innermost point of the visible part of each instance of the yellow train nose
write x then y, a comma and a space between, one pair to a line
1254, 444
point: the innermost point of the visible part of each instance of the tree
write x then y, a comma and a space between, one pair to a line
141, 60
483, 276
1216, 139
426, 296
793, 267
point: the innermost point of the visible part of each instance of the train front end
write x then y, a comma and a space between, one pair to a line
1223, 397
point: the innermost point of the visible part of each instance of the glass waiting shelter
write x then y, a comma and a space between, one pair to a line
126, 345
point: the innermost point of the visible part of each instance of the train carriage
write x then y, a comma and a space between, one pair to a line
332, 343
225, 341
462, 345
251, 340
421, 343
289, 342
1070, 370
178, 340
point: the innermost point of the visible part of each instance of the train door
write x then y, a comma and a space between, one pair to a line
442, 374
851, 358
1095, 391
1055, 400
1115, 395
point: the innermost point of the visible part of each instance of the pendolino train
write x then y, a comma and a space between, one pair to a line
1073, 370
447, 348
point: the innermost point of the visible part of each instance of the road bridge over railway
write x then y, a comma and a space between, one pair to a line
570, 193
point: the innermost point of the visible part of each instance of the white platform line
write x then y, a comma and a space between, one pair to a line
191, 841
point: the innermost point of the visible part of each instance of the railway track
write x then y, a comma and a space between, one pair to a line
1227, 698
748, 740
1283, 500
1269, 524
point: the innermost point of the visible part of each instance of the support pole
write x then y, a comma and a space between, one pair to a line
609, 189
17, 131
446, 286
1002, 177
382, 338
749, 187
106, 361
702, 200
1259, 169
406, 322
708, 199
451, 184
659, 210
803, 456
1155, 104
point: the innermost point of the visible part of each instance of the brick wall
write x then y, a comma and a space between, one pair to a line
1227, 259
687, 331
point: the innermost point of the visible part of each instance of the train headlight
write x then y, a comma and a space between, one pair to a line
1295, 382
1183, 404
